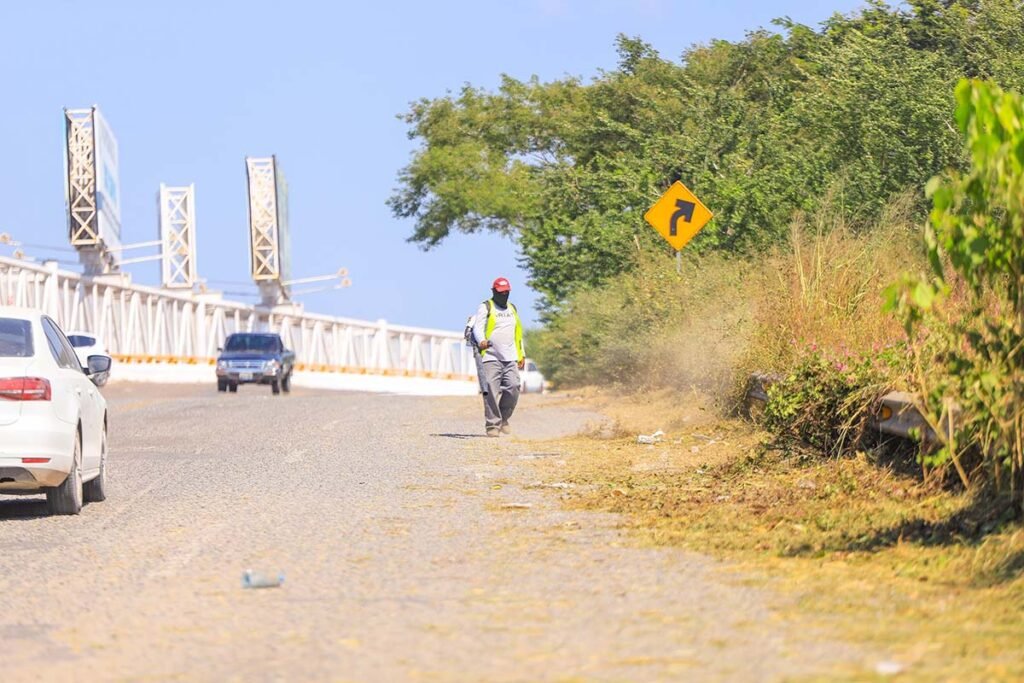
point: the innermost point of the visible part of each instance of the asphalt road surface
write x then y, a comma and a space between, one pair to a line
408, 552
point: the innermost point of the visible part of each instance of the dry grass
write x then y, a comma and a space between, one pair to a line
866, 551
824, 290
705, 329
654, 328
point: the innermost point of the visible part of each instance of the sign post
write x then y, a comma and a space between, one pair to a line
677, 216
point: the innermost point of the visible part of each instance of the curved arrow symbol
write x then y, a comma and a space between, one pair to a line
684, 210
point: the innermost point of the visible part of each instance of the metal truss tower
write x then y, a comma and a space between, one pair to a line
178, 236
81, 178
93, 215
268, 228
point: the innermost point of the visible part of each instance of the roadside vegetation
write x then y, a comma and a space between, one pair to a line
868, 183
918, 550
814, 147
818, 295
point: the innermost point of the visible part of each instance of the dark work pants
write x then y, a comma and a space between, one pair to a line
502, 381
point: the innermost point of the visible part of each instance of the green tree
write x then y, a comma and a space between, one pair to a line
759, 128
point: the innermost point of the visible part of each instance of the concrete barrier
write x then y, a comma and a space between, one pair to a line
203, 373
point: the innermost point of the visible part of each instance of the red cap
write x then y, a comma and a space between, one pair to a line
501, 285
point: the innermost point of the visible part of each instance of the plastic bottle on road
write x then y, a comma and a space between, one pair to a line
254, 579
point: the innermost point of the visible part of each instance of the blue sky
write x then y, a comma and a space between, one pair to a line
192, 87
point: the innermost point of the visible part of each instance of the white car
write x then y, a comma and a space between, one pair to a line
53, 418
87, 344
531, 381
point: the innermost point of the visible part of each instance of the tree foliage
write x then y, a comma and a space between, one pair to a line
855, 111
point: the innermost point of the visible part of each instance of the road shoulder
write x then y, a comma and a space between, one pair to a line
572, 588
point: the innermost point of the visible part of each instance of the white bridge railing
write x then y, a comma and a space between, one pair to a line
147, 325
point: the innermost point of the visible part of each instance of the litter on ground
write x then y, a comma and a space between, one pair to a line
253, 579
656, 437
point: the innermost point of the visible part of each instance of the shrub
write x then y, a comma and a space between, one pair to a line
825, 401
973, 384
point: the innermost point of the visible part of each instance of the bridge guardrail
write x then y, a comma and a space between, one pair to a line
142, 324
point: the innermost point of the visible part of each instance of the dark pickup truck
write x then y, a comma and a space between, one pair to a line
255, 358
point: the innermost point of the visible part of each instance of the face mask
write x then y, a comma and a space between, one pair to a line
500, 299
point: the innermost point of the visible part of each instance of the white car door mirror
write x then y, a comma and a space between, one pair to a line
99, 369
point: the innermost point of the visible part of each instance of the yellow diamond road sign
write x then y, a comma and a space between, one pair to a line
678, 215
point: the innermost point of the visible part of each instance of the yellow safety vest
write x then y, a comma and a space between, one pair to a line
491, 322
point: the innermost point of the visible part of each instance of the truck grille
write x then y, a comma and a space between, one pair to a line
246, 365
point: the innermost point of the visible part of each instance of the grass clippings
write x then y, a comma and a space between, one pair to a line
863, 548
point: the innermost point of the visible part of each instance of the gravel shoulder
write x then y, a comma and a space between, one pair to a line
413, 549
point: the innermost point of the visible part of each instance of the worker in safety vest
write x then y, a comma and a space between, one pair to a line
499, 332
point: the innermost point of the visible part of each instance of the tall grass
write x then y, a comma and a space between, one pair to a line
824, 290
653, 327
722, 317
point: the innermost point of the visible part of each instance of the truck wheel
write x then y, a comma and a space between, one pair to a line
275, 387
286, 383
233, 388
66, 499
222, 385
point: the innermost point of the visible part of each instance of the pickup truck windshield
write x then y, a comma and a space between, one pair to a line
259, 343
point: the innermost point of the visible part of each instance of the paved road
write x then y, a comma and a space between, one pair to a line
386, 515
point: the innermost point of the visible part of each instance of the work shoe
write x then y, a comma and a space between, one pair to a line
505, 429
493, 431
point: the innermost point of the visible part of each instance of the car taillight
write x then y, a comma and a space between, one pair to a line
25, 389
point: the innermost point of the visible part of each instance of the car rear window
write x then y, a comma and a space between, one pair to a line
15, 338
79, 340
263, 343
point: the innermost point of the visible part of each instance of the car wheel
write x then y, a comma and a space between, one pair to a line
233, 388
66, 499
222, 385
275, 387
95, 491
286, 383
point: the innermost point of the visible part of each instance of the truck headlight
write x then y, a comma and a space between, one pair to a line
271, 367
222, 365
